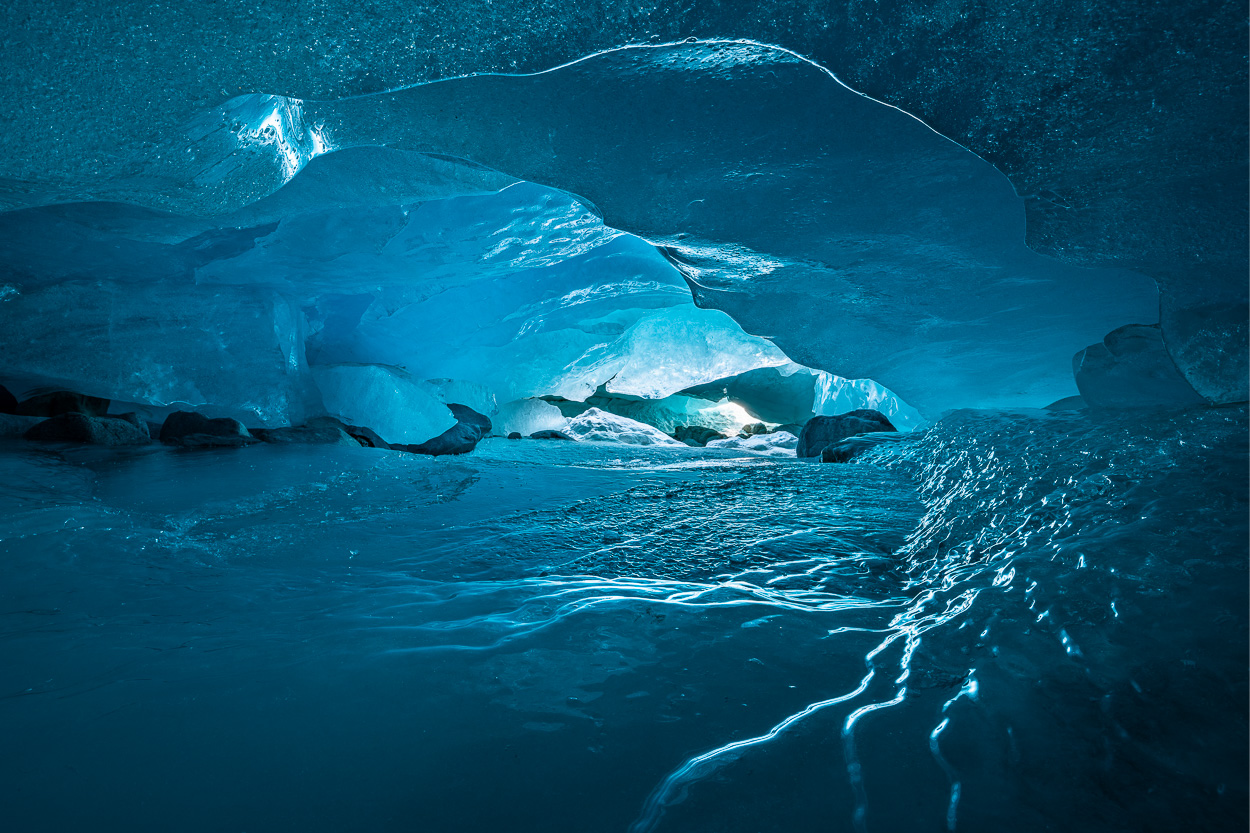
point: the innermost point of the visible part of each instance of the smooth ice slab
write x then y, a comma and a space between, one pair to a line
386, 399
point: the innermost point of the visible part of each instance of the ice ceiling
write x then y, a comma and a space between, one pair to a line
468, 229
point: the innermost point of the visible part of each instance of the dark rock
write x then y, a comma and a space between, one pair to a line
751, 429
549, 434
13, 425
140, 425
461, 438
515, 435
851, 447
822, 431
63, 402
8, 402
320, 431
194, 430
1068, 403
465, 414
791, 428
80, 428
696, 435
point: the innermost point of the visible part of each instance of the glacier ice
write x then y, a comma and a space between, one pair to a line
598, 426
485, 295
161, 344
778, 443
525, 416
388, 400
1131, 368
864, 245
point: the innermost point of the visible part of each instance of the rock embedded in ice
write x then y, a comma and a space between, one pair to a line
602, 427
194, 430
697, 435
75, 427
401, 409
527, 416
547, 435
318, 431
461, 438
777, 444
469, 394
822, 431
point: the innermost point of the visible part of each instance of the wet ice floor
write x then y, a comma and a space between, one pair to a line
536, 637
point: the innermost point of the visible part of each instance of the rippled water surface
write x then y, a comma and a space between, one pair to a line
1015, 621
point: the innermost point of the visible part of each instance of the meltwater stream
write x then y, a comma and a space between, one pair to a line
1022, 621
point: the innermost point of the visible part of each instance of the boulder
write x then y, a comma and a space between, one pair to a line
696, 435
515, 435
63, 402
791, 428
194, 430
366, 437
753, 428
550, 435
320, 431
12, 425
852, 447
461, 438
81, 428
8, 402
821, 431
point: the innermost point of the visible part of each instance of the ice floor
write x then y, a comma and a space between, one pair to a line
571, 637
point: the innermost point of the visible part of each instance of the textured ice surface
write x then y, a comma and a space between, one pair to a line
388, 400
779, 443
598, 426
672, 411
675, 636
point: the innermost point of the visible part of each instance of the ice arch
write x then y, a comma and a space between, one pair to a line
844, 230
369, 273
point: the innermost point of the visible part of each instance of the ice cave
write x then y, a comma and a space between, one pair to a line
621, 417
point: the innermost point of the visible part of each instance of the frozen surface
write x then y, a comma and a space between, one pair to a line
598, 426
1023, 621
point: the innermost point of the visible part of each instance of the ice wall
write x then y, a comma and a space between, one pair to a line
850, 234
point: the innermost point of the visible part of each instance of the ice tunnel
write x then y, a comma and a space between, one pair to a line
409, 418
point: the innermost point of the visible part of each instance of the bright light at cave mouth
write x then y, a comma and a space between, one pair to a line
671, 440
